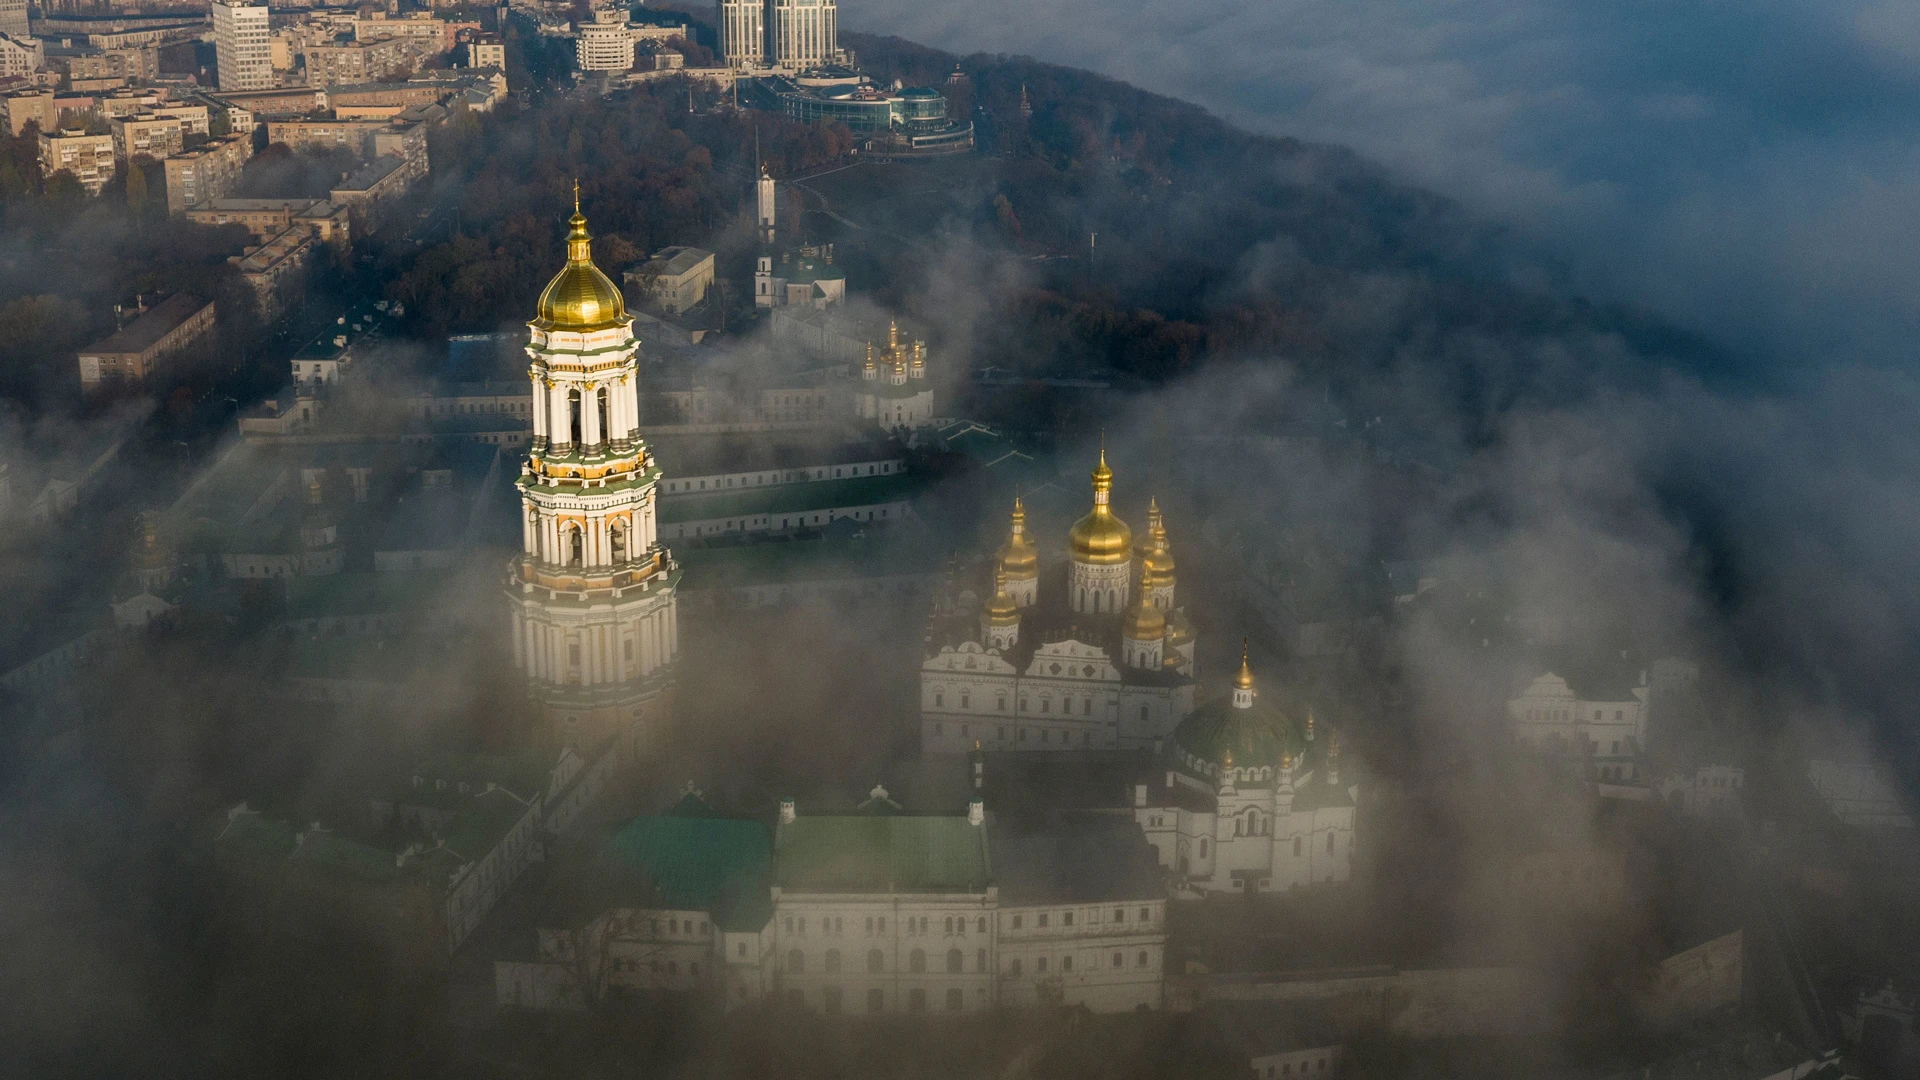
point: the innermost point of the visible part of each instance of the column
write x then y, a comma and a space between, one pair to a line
540, 426
590, 416
519, 641
529, 531
560, 424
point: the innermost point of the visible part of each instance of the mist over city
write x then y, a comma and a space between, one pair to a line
1347, 542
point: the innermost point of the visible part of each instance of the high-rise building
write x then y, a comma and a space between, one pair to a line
789, 34
13, 18
595, 624
604, 44
243, 51
743, 32
803, 33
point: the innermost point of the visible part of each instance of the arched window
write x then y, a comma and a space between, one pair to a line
876, 961
1296, 847
1203, 847
917, 962
981, 926
1141, 960
796, 961
1066, 963
949, 924
617, 541
1082, 605
574, 546
833, 961
573, 417
955, 962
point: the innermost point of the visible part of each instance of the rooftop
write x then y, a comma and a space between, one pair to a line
144, 332
881, 853
790, 498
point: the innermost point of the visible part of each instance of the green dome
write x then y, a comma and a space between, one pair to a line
1258, 736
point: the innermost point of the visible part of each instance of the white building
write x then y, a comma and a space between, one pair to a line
1251, 799
20, 55
894, 392
873, 912
802, 34
595, 622
242, 47
605, 44
1105, 662
743, 32
1602, 721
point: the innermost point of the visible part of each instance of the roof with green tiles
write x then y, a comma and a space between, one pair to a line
790, 498
1255, 736
698, 863
891, 853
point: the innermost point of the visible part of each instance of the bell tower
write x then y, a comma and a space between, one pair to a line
595, 625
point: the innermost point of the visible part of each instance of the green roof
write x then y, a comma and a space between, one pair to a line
362, 593
789, 498
712, 864
1256, 736
882, 854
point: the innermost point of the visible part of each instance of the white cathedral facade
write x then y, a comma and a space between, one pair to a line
1101, 659
595, 625
1249, 799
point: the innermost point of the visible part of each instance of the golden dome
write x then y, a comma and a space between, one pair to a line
1143, 547
1000, 609
1017, 556
1244, 680
1145, 622
1100, 538
580, 298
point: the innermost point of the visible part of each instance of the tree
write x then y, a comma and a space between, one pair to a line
136, 188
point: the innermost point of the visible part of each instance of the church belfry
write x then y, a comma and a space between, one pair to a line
593, 592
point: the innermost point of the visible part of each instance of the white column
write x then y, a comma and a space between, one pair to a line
560, 425
529, 531
590, 415
540, 427
519, 641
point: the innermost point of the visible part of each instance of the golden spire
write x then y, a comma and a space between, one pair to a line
869, 356
580, 298
1228, 763
893, 335
1001, 610
1309, 723
1244, 680
1100, 538
1017, 555
1286, 759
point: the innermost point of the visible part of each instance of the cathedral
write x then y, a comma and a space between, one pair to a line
1100, 658
595, 626
894, 393
1249, 797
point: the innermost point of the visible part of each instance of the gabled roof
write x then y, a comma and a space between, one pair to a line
693, 863
881, 853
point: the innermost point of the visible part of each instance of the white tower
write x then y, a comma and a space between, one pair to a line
766, 291
743, 32
593, 592
242, 52
1101, 573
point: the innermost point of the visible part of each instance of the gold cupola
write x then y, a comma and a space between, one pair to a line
1143, 544
1017, 556
1144, 621
1000, 609
1100, 538
580, 299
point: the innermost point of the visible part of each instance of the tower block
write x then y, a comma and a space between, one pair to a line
595, 626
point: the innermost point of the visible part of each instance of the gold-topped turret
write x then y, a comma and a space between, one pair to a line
1100, 538
1017, 556
1243, 680
1145, 622
580, 298
1000, 609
